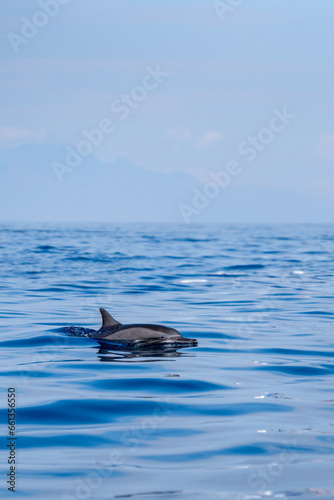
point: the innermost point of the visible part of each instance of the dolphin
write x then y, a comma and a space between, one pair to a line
111, 330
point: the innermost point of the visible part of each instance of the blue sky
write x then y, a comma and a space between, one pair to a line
223, 75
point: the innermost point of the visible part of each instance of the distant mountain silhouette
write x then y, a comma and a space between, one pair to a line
123, 192
94, 191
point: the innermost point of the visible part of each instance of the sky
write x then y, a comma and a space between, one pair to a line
235, 94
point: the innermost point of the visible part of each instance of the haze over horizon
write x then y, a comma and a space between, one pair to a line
206, 112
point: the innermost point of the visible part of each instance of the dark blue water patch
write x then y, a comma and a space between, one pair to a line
254, 450
88, 411
150, 237
225, 302
94, 259
225, 275
194, 240
318, 313
301, 371
136, 258
13, 314
63, 441
326, 439
282, 294
50, 289
45, 248
42, 341
135, 269
329, 363
144, 289
185, 266
98, 411
314, 252
173, 257
33, 373
90, 287
159, 386
245, 267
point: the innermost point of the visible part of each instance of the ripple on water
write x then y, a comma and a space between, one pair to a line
246, 414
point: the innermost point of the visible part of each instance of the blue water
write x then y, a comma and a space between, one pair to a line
248, 414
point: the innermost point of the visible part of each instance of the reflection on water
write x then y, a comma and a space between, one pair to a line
105, 354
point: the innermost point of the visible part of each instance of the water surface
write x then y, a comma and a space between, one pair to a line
247, 414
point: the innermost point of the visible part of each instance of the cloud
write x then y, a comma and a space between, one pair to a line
208, 139
14, 134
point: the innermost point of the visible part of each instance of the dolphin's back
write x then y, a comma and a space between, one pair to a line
139, 332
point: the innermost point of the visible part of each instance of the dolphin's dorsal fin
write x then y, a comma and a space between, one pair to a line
108, 320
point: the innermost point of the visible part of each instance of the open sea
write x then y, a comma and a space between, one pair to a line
248, 414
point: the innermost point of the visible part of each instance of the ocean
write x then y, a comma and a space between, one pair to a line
248, 414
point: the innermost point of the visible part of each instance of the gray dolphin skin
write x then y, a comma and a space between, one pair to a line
112, 330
